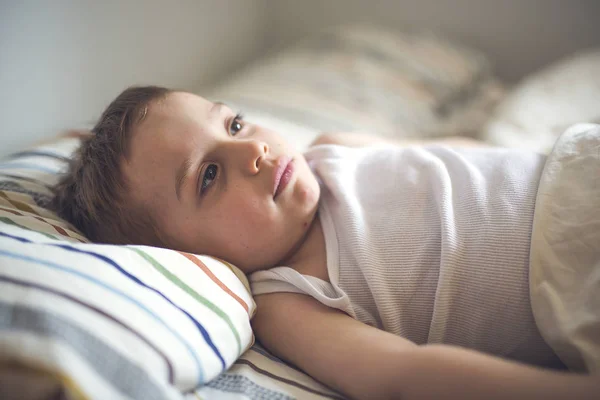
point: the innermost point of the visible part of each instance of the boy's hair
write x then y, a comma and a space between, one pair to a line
92, 195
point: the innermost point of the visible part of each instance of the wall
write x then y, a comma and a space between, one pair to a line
61, 61
519, 35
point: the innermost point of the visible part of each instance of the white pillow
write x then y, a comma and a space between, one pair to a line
545, 103
361, 78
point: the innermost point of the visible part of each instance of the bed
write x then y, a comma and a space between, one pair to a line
82, 320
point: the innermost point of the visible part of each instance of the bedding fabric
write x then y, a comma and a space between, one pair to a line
565, 249
361, 78
257, 374
544, 104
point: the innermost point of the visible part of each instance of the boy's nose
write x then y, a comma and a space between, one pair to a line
252, 154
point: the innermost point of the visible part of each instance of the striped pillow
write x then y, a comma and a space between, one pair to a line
100, 321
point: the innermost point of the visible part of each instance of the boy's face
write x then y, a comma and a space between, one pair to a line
216, 185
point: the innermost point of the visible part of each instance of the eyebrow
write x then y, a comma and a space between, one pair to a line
182, 173
216, 107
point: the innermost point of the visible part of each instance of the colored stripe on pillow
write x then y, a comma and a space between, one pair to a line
109, 275
28, 320
104, 314
162, 270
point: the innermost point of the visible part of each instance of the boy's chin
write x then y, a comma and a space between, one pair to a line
266, 260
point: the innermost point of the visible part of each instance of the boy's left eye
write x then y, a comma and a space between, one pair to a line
237, 123
210, 174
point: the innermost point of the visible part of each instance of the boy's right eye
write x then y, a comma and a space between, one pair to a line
236, 124
210, 174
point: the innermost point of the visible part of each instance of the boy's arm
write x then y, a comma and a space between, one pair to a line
367, 363
357, 139
345, 354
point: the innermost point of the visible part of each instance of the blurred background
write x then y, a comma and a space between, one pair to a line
62, 61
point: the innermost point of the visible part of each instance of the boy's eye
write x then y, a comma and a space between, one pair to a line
237, 123
209, 176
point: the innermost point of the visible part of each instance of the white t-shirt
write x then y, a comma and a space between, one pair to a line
431, 244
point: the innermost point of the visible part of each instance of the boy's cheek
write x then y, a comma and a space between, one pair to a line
246, 221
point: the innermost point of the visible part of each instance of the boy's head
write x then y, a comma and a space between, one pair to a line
172, 169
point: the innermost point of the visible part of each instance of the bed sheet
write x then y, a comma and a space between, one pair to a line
258, 374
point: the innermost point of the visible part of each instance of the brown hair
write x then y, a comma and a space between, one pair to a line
92, 195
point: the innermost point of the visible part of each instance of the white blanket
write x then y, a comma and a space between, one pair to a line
565, 249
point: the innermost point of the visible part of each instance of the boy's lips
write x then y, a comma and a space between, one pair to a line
282, 174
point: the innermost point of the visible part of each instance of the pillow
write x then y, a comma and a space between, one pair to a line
540, 108
360, 78
103, 321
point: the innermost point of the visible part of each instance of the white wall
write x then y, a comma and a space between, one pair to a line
519, 35
61, 62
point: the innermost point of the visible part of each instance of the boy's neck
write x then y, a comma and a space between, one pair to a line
310, 256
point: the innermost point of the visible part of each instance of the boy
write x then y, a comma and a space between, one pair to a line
428, 245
